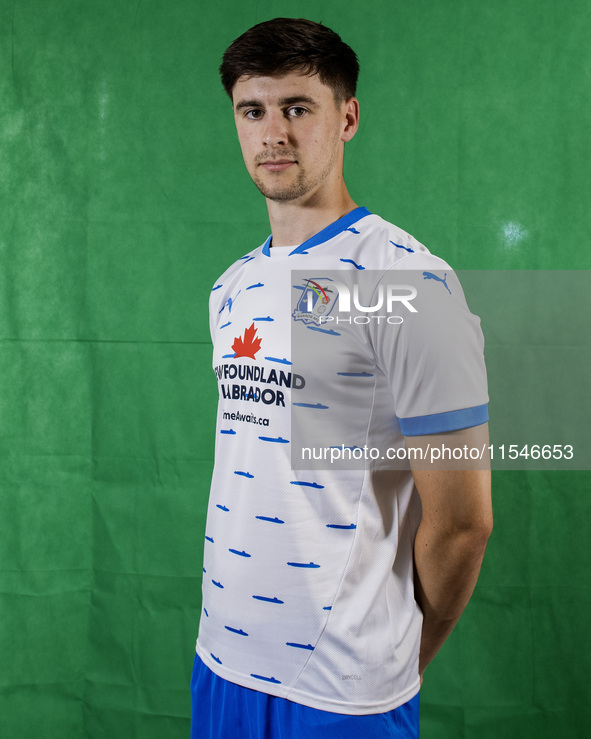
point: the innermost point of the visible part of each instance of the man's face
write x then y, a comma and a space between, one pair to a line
291, 133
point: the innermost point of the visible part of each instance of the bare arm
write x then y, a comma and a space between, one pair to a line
450, 543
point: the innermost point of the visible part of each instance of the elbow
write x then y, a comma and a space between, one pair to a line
478, 526
472, 536
483, 525
487, 525
481, 537
478, 533
468, 538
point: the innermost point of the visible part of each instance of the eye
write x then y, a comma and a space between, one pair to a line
254, 114
297, 111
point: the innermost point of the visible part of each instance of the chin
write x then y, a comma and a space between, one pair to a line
283, 194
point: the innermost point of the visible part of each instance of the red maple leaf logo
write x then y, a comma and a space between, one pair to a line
248, 345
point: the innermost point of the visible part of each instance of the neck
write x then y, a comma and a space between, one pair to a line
293, 222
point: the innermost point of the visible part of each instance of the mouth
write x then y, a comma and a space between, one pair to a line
277, 165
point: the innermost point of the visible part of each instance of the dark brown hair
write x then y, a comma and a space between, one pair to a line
284, 45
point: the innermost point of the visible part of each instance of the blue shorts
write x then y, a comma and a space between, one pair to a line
223, 710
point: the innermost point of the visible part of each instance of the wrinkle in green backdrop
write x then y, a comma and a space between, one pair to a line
123, 197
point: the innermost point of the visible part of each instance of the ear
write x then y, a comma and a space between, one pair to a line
350, 118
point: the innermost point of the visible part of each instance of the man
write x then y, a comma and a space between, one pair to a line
326, 592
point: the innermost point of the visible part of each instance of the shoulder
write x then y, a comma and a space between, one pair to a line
407, 269
387, 246
233, 275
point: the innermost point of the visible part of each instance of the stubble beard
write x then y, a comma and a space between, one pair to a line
284, 193
296, 189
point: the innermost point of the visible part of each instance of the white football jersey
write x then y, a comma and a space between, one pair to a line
308, 568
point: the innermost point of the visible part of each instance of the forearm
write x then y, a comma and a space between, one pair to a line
447, 564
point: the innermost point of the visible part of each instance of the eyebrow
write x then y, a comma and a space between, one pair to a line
284, 101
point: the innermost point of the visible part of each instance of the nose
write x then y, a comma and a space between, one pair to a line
275, 130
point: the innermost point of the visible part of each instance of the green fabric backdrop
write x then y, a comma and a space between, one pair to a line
123, 197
